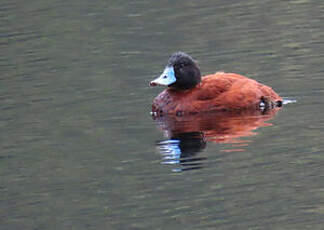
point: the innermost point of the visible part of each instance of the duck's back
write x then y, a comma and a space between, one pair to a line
216, 92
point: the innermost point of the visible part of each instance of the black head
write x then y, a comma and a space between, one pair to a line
180, 73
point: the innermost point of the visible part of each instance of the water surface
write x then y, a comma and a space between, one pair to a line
79, 149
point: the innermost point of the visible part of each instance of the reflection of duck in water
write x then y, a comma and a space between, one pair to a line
187, 135
181, 149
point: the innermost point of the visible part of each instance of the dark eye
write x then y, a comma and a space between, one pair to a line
164, 76
181, 65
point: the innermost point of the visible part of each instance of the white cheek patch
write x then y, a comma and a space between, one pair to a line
166, 78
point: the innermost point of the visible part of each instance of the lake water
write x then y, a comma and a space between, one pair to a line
79, 149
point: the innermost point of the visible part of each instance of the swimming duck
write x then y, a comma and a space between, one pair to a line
189, 93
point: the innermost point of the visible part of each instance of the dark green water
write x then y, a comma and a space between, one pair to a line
79, 150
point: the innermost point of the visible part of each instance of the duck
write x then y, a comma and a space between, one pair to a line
188, 92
